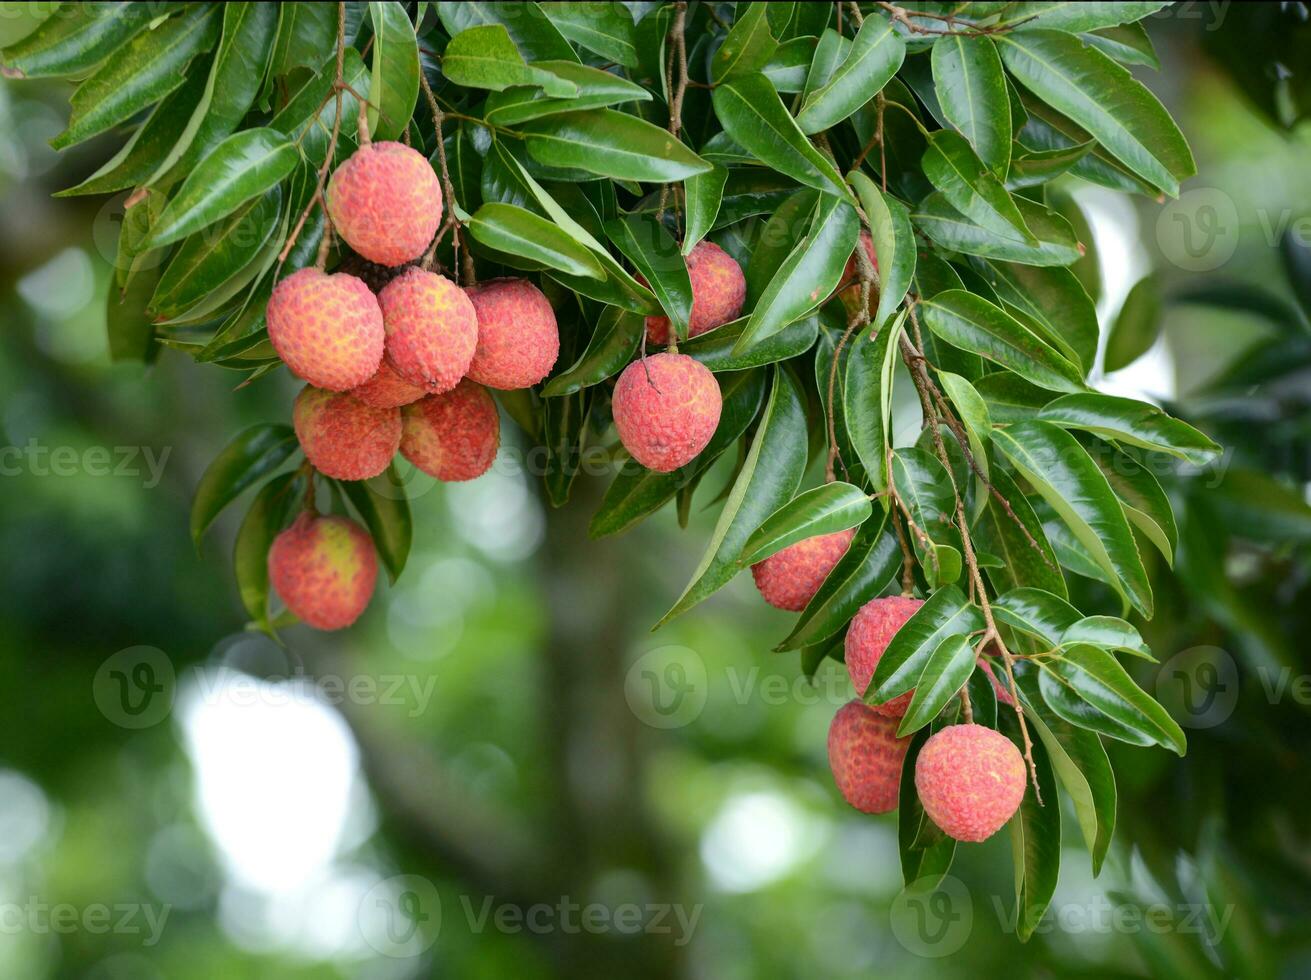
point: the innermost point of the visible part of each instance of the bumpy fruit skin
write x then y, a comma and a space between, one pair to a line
342, 436
790, 578
431, 329
871, 630
452, 436
849, 288
328, 329
718, 291
324, 568
866, 757
518, 340
971, 780
666, 409
386, 202
387, 389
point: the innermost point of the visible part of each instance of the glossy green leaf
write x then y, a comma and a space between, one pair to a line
244, 166
1103, 98
945, 613
655, 254
1010, 398
753, 115
21, 20
308, 119
612, 144
1136, 326
971, 323
130, 333
787, 68
517, 231
926, 488
306, 33
830, 51
973, 412
269, 513
1013, 532
748, 46
1035, 837
148, 68
1108, 633
952, 166
1075, 16
612, 346
875, 55
252, 455
867, 398
1055, 300
384, 506
821, 510
954, 231
1038, 613
1131, 421
971, 88
945, 673
1067, 478
768, 479
525, 23
1031, 168
716, 348
705, 195
486, 57
81, 37
596, 89
781, 234
1128, 44
894, 243
603, 28
394, 75
1143, 500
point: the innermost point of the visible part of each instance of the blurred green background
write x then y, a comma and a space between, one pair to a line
500, 772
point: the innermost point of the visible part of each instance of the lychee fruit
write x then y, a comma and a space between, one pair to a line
386, 202
343, 437
454, 435
518, 340
666, 408
718, 291
848, 290
790, 578
866, 757
970, 780
431, 329
871, 630
324, 568
387, 389
327, 328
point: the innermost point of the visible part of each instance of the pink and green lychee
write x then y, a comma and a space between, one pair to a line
790, 578
452, 436
871, 630
386, 202
324, 569
326, 328
971, 780
343, 437
666, 408
866, 757
518, 339
431, 328
387, 389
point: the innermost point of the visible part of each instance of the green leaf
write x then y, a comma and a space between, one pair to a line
1035, 838
1031, 168
821, 510
973, 412
384, 507
306, 32
251, 456
564, 424
517, 231
73, 43
868, 565
1108, 633
148, 68
612, 144
637, 492
1073, 16
612, 346
208, 259
971, 88
1136, 326
927, 490
596, 89
1010, 398
268, 514
945, 673
788, 66
781, 234
526, 24
876, 53
1038, 613
20, 20
244, 166
945, 613
768, 479
715, 348
1096, 678
130, 333
894, 243
748, 46
1128, 44
953, 231
753, 115
485, 57
830, 51
308, 118
809, 274
604, 28
654, 253
1131, 421
1027, 558
1143, 500
951, 164
1103, 98
1055, 300
394, 80
705, 195
867, 398
1067, 478
973, 324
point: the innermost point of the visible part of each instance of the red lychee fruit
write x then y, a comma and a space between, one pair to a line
718, 291
343, 437
971, 780
666, 408
386, 202
518, 340
790, 578
848, 290
431, 329
452, 436
328, 329
387, 389
871, 630
866, 757
324, 568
